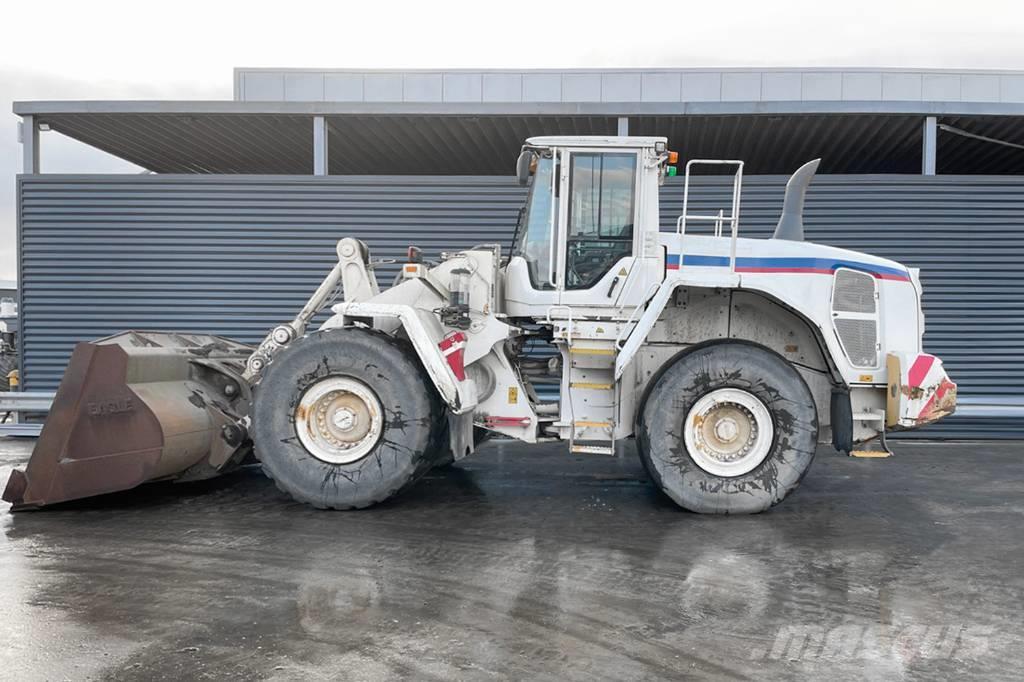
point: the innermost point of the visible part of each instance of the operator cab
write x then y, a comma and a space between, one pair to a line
587, 235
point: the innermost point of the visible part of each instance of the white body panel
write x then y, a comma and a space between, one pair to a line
801, 276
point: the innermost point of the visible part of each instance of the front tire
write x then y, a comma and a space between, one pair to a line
345, 418
729, 428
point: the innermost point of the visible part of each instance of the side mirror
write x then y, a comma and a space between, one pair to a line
523, 166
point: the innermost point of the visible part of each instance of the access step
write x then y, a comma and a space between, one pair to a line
592, 449
577, 350
583, 424
870, 454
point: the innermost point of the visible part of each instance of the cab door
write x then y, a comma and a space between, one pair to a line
598, 219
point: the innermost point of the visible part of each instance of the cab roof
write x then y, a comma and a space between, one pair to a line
594, 141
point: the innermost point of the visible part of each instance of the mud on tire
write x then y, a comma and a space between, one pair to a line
747, 370
406, 447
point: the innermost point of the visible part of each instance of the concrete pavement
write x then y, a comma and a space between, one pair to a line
529, 563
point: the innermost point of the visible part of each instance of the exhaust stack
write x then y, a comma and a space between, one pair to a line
791, 222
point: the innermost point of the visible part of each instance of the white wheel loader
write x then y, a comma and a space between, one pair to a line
728, 359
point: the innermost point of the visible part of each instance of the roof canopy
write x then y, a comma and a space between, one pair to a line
484, 138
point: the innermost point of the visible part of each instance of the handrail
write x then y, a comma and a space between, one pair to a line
734, 216
553, 246
625, 325
568, 330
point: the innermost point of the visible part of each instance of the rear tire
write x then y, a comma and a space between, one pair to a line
729, 428
345, 418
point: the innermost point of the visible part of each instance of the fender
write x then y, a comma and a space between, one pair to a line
425, 333
656, 306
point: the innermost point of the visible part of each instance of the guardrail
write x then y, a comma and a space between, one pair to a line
990, 406
13, 402
734, 215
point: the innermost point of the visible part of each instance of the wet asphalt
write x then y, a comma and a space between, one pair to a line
529, 563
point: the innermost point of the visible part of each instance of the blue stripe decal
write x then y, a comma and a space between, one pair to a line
785, 262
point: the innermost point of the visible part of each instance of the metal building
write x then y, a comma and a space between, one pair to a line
238, 220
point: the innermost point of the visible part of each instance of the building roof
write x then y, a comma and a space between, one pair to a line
474, 122
663, 85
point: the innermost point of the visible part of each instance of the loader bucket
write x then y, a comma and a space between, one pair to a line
137, 407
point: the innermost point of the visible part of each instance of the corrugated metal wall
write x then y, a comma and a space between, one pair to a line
235, 255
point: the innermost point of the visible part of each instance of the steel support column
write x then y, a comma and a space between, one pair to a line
319, 145
929, 146
29, 145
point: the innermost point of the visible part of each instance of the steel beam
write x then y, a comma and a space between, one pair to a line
929, 146
610, 109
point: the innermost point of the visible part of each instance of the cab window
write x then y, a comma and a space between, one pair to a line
601, 210
533, 242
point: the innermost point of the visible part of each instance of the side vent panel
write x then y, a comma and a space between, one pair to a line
855, 316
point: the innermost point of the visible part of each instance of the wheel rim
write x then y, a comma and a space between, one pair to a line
339, 420
728, 432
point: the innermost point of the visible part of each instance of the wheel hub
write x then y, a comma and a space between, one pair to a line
345, 419
726, 429
339, 420
728, 432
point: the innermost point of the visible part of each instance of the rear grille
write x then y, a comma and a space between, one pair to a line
854, 292
855, 316
860, 340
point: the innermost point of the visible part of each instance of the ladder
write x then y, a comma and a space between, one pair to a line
593, 396
590, 393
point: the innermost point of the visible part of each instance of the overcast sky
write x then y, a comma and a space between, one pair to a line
186, 50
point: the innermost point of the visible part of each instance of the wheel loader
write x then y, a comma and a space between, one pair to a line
727, 359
